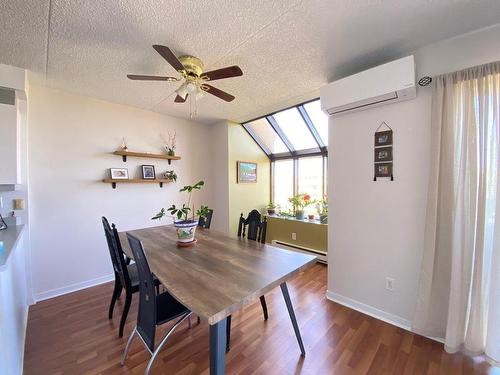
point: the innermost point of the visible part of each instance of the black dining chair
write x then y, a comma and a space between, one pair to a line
125, 274
204, 222
253, 229
154, 309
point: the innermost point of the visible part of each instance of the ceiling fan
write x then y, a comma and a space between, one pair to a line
194, 79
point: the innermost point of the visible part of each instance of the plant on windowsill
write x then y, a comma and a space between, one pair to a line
185, 226
299, 202
322, 208
271, 208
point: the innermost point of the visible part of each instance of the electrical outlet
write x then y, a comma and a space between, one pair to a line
294, 236
389, 283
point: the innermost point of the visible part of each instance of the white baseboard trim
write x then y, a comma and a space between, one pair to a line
384, 316
25, 329
369, 310
73, 288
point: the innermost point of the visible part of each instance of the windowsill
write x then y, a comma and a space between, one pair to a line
313, 221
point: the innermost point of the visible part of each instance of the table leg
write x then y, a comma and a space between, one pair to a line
217, 347
289, 306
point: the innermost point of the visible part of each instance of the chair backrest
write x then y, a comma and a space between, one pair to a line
146, 317
204, 222
256, 230
116, 253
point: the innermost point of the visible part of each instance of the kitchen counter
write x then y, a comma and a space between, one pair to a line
9, 237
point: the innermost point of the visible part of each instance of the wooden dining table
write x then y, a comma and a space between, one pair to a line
218, 276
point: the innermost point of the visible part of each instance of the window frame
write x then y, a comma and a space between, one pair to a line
324, 174
292, 153
321, 149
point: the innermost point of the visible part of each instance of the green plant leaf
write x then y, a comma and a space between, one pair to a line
159, 215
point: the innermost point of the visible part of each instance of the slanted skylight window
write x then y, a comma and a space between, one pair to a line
319, 119
265, 136
293, 132
295, 129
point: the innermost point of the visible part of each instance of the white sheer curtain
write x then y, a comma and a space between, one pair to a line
459, 291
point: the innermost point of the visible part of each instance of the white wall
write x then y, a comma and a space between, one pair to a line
71, 138
220, 173
377, 228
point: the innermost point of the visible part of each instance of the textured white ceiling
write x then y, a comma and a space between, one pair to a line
286, 49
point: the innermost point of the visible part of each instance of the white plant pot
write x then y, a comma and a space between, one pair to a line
185, 230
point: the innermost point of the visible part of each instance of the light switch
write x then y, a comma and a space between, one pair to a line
18, 204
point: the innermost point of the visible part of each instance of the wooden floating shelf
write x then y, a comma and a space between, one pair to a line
124, 154
113, 182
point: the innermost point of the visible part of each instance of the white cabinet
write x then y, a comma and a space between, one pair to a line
14, 304
9, 145
12, 117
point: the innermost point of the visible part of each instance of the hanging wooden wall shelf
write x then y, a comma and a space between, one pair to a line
124, 154
113, 182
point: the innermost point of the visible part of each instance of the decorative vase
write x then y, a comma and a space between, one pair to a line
299, 214
323, 218
171, 153
185, 230
310, 216
271, 211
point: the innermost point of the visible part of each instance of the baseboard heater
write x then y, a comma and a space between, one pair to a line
322, 255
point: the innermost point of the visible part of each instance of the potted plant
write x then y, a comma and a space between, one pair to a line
322, 208
171, 144
271, 208
299, 202
185, 225
170, 175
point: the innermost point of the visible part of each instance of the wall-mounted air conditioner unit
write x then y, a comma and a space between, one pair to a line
388, 83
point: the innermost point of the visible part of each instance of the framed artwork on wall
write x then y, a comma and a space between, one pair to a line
383, 154
118, 173
383, 138
148, 172
383, 170
246, 172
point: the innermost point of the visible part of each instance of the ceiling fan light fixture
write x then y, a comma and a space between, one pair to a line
182, 91
191, 87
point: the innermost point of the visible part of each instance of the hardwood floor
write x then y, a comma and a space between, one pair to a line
72, 335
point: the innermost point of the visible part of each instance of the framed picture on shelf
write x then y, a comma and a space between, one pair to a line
383, 154
148, 172
383, 138
383, 170
118, 173
246, 172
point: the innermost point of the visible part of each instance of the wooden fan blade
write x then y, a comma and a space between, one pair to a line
169, 56
228, 72
178, 99
137, 77
218, 93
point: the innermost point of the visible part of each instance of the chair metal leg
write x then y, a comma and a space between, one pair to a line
217, 346
289, 306
125, 352
116, 294
228, 333
126, 308
264, 307
164, 340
